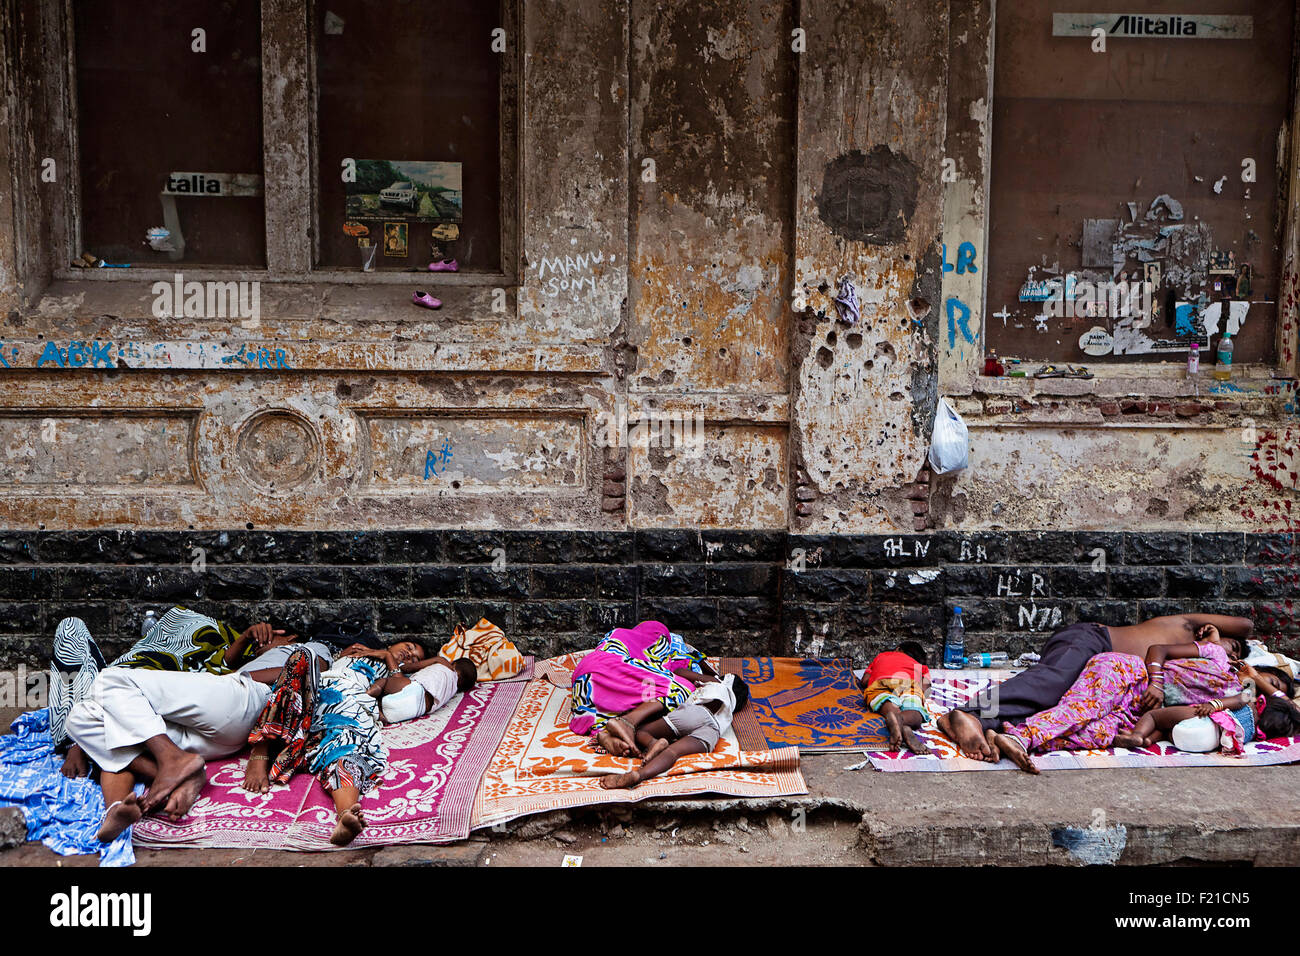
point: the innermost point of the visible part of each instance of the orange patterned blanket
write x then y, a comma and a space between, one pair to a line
540, 765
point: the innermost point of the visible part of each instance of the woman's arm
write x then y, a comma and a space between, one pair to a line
1157, 654
1228, 703
257, 633
695, 677
414, 666
384, 654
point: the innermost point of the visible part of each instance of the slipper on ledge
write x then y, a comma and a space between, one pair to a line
426, 301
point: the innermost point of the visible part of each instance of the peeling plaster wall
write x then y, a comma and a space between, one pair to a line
871, 130
713, 111
573, 281
699, 299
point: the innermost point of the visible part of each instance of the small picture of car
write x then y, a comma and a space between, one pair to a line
401, 193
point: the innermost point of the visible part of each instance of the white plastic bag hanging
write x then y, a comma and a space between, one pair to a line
948, 441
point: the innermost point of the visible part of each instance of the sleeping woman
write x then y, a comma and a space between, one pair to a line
1113, 691
328, 724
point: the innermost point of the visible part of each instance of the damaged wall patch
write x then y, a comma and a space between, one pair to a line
869, 197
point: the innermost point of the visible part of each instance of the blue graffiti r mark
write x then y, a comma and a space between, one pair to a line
956, 322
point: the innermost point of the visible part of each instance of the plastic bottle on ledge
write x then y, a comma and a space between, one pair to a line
992, 659
1223, 367
954, 648
150, 619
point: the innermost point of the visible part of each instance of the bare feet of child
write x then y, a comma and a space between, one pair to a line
621, 781
351, 822
901, 735
656, 748
895, 727
118, 817
1010, 748
1132, 741
914, 743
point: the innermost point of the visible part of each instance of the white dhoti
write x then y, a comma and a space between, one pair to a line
204, 714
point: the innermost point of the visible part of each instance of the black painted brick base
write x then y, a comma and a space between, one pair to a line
728, 592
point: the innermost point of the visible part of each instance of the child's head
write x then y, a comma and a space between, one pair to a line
915, 651
466, 673
1279, 718
741, 690
1276, 679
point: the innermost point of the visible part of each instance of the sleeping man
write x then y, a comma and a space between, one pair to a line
161, 727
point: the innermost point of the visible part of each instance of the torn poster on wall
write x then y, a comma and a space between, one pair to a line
1176, 26
1134, 270
1213, 315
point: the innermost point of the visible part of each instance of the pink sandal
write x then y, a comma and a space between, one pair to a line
446, 265
426, 301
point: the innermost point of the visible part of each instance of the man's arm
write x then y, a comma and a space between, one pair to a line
1241, 628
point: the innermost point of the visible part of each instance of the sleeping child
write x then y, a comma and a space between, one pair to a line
1260, 709
432, 682
693, 728
895, 685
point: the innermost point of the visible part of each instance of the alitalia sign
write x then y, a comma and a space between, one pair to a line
1165, 26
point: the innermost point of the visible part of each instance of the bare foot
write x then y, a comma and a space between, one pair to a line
1132, 741
615, 746
656, 748
351, 822
255, 777
914, 743
1011, 749
895, 727
75, 763
118, 817
182, 798
964, 730
621, 781
171, 774
624, 733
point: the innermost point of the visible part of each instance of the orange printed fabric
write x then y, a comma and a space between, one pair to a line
542, 765
491, 651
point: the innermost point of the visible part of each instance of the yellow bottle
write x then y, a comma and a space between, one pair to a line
1223, 366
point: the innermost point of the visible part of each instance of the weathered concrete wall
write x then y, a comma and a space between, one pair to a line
871, 128
712, 180
694, 182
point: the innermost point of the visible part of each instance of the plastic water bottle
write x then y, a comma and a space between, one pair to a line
1193, 360
1223, 367
150, 619
993, 659
954, 648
